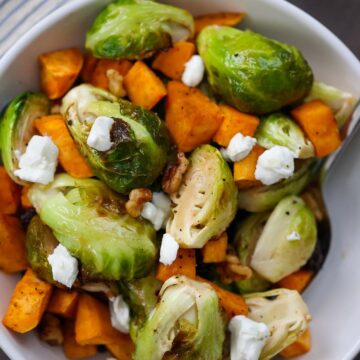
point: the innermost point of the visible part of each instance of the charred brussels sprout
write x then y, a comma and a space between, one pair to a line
253, 73
341, 102
135, 29
284, 312
16, 127
279, 129
246, 236
287, 240
40, 243
205, 204
187, 323
140, 142
263, 198
90, 221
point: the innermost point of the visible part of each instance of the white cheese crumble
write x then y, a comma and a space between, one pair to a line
275, 164
38, 163
158, 210
239, 147
120, 314
248, 337
64, 266
99, 136
294, 236
168, 250
194, 71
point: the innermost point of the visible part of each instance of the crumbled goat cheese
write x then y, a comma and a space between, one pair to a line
168, 250
99, 137
194, 71
239, 147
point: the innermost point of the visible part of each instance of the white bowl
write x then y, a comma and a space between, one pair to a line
334, 295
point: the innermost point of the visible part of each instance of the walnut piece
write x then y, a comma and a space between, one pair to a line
116, 83
174, 174
137, 199
232, 270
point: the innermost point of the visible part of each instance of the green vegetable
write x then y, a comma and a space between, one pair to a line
91, 222
245, 239
251, 72
187, 323
279, 129
16, 127
141, 295
263, 198
40, 243
139, 137
277, 253
205, 204
341, 102
136, 29
284, 312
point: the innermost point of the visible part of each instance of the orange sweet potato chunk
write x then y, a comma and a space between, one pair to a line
122, 347
9, 194
224, 19
143, 86
234, 122
59, 70
88, 68
191, 117
298, 280
63, 303
27, 304
300, 347
12, 245
214, 250
172, 62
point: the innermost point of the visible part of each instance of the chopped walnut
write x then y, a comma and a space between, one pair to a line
137, 199
313, 199
174, 174
232, 270
115, 83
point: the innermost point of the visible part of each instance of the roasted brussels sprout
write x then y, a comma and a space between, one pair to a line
135, 29
251, 72
245, 239
287, 240
340, 101
141, 295
40, 243
140, 142
205, 204
263, 198
187, 323
90, 221
16, 128
279, 129
284, 312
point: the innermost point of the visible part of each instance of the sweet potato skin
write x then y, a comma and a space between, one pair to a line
69, 155
184, 264
172, 62
9, 194
12, 245
63, 303
27, 304
191, 117
143, 86
59, 70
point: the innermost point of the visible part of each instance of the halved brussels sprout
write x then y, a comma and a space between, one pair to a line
142, 297
187, 323
16, 128
284, 312
340, 101
245, 239
40, 243
205, 204
140, 142
251, 72
279, 129
91, 222
135, 29
263, 198
287, 241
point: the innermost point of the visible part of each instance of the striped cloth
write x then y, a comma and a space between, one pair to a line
18, 16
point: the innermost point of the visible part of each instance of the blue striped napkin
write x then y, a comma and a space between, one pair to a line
18, 16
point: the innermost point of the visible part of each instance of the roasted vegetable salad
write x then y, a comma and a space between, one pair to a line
161, 194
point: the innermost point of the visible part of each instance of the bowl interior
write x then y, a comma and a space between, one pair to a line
332, 297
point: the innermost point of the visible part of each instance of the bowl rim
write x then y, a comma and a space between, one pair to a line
6, 343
